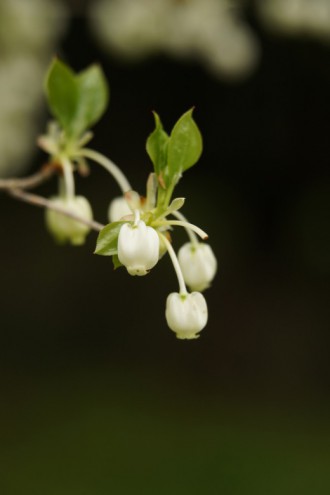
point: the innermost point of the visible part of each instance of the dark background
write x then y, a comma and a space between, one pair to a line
97, 394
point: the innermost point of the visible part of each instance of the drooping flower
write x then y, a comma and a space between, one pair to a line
62, 227
198, 264
138, 247
186, 314
118, 209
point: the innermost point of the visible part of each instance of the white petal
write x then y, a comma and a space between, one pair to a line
138, 248
198, 264
186, 314
118, 209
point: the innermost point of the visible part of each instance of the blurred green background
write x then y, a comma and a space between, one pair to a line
98, 397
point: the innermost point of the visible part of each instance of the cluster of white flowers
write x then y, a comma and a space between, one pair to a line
211, 31
141, 246
215, 32
28, 30
139, 232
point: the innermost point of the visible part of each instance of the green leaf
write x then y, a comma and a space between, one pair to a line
92, 98
185, 145
106, 244
157, 146
76, 100
116, 262
62, 93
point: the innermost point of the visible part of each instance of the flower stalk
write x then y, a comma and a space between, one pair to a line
182, 286
109, 165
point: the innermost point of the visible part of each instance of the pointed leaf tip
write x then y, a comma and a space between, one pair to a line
185, 144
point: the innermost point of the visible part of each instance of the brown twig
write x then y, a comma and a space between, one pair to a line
16, 188
44, 174
36, 200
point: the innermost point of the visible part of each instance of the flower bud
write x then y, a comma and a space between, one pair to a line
186, 314
118, 208
65, 229
198, 265
138, 247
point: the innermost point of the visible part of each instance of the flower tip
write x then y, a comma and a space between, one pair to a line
140, 271
183, 336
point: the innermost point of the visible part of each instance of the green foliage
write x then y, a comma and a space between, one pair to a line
185, 144
77, 101
106, 244
172, 155
61, 93
157, 146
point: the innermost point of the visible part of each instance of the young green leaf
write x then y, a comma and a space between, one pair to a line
185, 145
76, 100
92, 97
106, 244
157, 146
62, 93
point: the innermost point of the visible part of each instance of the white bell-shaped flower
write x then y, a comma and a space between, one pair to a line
198, 264
138, 247
186, 314
118, 209
65, 229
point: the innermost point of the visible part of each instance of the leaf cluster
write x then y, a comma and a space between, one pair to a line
173, 154
77, 101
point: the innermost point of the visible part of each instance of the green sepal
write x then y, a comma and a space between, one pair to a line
116, 262
156, 147
185, 145
175, 205
76, 100
107, 240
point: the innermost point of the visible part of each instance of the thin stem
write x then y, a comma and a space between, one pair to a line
151, 191
191, 234
164, 195
46, 172
68, 178
186, 225
36, 200
171, 252
136, 217
111, 167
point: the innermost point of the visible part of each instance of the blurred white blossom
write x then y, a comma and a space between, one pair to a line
215, 32
209, 30
28, 31
297, 17
118, 208
65, 229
